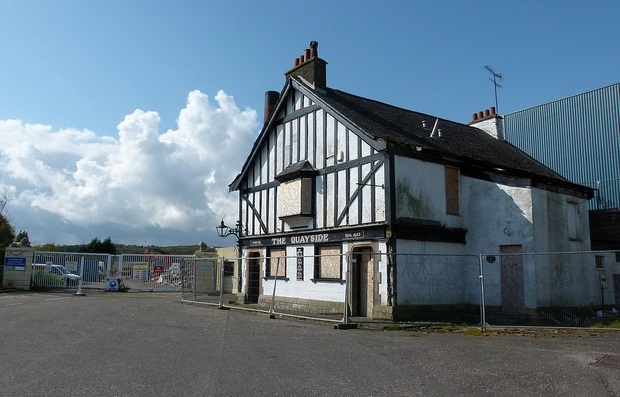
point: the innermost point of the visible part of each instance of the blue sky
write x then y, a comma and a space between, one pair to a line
74, 72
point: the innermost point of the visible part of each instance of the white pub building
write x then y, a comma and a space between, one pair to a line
333, 174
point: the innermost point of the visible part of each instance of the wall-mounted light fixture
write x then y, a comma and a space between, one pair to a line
225, 231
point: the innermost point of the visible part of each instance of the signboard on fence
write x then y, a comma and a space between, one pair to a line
13, 263
140, 271
71, 266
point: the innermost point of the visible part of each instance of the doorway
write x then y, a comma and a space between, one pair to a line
253, 278
512, 279
362, 282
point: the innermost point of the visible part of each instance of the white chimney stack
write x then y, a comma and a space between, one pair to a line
489, 122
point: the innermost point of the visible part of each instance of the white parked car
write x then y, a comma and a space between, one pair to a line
60, 272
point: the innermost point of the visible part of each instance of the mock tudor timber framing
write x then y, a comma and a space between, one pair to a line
283, 140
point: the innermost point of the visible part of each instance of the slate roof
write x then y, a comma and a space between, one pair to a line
301, 168
459, 142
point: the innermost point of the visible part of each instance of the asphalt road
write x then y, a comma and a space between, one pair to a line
149, 344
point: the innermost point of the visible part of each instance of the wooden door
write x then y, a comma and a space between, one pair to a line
362, 283
253, 277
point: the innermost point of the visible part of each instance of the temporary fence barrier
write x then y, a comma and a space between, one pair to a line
71, 270
559, 289
199, 278
306, 286
152, 272
352, 287
273, 285
139, 272
435, 288
572, 289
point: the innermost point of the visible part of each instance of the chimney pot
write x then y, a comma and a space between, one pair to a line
314, 49
296, 61
486, 113
493, 110
302, 59
474, 117
307, 53
271, 100
480, 115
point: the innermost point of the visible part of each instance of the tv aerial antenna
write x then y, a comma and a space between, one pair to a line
496, 85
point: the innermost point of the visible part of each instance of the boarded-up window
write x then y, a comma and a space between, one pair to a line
295, 198
229, 269
276, 263
572, 220
452, 190
598, 259
328, 263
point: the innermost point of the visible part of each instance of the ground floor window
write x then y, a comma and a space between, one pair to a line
328, 263
229, 269
276, 263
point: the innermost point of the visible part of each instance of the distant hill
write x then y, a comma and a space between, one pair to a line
171, 250
141, 249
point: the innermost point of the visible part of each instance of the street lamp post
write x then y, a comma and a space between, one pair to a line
225, 231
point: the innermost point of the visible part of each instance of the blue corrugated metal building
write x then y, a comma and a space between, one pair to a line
578, 137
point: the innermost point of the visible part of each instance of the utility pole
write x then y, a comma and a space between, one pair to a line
496, 85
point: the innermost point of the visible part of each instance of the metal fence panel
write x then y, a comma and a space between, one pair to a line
152, 272
567, 289
60, 269
438, 287
543, 289
306, 286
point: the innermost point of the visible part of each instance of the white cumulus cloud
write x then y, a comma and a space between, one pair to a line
142, 186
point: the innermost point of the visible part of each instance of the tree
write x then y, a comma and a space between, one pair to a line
48, 247
23, 238
98, 247
6, 195
7, 233
7, 236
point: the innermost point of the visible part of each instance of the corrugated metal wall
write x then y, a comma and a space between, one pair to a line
578, 137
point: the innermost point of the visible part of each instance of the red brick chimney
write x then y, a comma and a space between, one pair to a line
310, 67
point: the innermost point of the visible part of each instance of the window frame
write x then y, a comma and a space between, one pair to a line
319, 263
573, 221
452, 177
269, 267
599, 261
229, 268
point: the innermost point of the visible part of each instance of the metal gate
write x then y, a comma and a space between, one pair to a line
71, 270
152, 272
139, 272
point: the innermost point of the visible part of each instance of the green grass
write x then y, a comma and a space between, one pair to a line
471, 331
614, 324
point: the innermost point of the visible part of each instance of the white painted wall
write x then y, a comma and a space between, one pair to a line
306, 289
436, 273
496, 215
419, 190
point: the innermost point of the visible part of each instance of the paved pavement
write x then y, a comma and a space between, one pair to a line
149, 344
